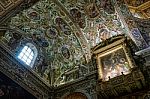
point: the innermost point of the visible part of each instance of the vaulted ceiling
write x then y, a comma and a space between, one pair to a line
71, 28
80, 19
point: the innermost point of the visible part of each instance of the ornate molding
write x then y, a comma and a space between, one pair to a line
114, 79
22, 75
9, 8
85, 85
121, 85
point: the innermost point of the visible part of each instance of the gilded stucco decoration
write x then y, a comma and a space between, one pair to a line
44, 21
94, 18
131, 26
71, 29
139, 8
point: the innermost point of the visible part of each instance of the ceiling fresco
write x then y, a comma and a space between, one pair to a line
71, 28
94, 19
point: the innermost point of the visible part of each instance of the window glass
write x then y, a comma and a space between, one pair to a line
26, 55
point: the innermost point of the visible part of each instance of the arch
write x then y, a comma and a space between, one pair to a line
28, 54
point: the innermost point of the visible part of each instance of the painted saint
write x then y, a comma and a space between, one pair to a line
92, 10
52, 32
104, 34
78, 17
114, 64
63, 26
65, 52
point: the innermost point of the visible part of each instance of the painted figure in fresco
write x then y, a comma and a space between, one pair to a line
100, 26
14, 40
119, 61
77, 16
104, 34
140, 42
108, 6
33, 15
51, 32
92, 11
120, 67
91, 37
115, 64
42, 66
40, 41
63, 26
65, 52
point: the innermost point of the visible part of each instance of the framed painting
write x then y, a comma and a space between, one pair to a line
113, 62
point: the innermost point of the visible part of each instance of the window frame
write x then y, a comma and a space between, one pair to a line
35, 53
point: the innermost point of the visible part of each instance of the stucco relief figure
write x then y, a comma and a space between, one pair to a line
78, 17
63, 26
92, 11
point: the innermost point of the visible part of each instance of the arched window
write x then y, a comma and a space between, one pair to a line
28, 54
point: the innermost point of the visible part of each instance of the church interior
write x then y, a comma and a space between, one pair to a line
74, 49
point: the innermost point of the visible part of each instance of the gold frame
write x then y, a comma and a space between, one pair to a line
108, 50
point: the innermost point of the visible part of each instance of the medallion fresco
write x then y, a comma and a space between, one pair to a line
34, 15
78, 17
65, 52
52, 32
